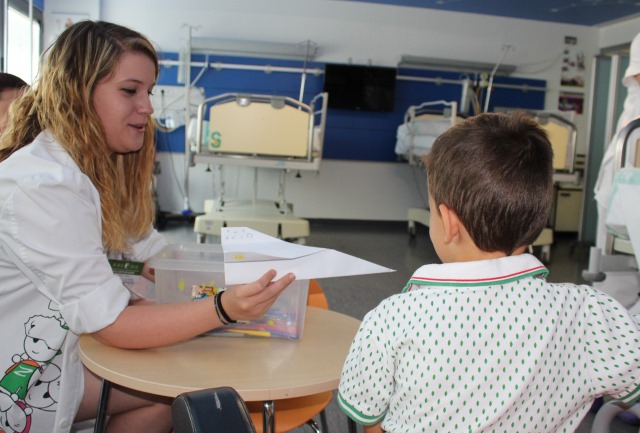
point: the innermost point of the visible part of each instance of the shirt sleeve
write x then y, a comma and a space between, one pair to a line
148, 246
367, 380
54, 227
615, 343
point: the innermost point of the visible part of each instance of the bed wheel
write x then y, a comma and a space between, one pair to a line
545, 254
411, 228
201, 238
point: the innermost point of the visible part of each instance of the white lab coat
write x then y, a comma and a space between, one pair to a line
56, 283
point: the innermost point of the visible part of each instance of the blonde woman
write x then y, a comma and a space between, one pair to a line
75, 189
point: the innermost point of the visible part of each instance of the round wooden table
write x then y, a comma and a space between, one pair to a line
260, 369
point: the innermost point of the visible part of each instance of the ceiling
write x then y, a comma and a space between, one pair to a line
580, 12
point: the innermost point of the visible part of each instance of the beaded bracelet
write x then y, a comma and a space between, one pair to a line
222, 315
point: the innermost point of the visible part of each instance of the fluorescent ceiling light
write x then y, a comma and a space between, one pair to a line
300, 51
416, 62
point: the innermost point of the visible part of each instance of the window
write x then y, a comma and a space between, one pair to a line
24, 41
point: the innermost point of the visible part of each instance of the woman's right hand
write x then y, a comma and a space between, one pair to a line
251, 301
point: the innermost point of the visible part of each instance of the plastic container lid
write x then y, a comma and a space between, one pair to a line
189, 257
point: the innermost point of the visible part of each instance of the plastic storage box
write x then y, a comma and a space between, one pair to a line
179, 267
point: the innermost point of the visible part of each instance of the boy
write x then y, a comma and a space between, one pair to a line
482, 342
10, 88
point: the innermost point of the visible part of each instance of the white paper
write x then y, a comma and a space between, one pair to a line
248, 254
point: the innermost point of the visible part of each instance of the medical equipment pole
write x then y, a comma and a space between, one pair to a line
187, 104
505, 49
304, 72
31, 41
5, 35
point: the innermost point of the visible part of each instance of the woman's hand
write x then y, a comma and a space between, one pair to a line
251, 301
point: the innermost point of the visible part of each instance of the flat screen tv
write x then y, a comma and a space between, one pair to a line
357, 87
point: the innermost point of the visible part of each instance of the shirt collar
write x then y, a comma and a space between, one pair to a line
477, 273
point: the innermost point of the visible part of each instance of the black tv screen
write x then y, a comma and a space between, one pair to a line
357, 87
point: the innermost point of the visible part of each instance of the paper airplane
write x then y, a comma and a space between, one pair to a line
248, 254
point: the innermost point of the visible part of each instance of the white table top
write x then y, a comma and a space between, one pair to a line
258, 368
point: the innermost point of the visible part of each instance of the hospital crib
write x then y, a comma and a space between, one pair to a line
259, 131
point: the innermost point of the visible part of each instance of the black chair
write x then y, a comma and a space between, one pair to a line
211, 411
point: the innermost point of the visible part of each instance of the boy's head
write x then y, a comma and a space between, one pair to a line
495, 171
10, 88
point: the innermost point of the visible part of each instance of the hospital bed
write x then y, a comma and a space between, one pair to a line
562, 135
263, 132
422, 124
617, 267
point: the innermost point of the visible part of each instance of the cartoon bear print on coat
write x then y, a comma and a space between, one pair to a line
33, 380
42, 342
15, 416
43, 394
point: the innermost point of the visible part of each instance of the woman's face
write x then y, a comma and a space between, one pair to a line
123, 104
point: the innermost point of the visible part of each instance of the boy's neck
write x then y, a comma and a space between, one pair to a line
471, 253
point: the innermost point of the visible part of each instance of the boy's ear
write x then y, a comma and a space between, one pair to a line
450, 222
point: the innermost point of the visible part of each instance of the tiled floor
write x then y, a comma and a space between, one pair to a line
388, 244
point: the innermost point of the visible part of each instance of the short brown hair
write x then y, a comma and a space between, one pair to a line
495, 171
10, 81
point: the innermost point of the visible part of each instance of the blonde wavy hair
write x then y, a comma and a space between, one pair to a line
61, 102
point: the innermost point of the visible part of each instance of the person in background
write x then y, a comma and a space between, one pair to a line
76, 163
482, 342
604, 183
10, 88
631, 109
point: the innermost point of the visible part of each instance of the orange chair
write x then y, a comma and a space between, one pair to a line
291, 413
316, 296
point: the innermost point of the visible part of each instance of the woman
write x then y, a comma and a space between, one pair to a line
75, 189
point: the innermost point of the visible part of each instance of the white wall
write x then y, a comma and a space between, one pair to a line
341, 189
346, 30
619, 33
56, 10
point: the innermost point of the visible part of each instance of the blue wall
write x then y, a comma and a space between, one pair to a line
349, 135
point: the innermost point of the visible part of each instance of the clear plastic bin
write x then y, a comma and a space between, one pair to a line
179, 267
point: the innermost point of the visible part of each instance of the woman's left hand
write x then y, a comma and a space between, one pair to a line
251, 301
